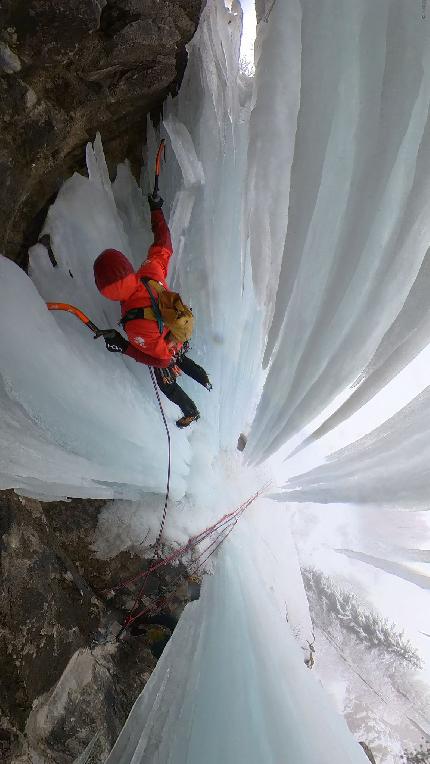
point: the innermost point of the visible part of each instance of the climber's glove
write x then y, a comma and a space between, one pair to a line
114, 341
155, 202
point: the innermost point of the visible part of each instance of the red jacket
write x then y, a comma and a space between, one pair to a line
117, 280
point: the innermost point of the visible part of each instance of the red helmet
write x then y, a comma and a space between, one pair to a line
114, 275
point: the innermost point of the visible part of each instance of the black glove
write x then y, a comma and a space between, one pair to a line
155, 202
114, 341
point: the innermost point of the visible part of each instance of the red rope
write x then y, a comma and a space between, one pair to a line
129, 619
132, 616
215, 544
155, 607
163, 519
192, 542
224, 526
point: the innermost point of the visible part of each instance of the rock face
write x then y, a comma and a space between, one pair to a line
67, 69
368, 752
64, 676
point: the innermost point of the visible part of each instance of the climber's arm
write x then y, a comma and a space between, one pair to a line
160, 229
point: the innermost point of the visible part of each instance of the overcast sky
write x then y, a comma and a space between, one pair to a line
249, 24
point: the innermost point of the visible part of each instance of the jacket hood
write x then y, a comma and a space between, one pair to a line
114, 275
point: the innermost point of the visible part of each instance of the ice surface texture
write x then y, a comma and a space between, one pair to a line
389, 466
359, 203
231, 686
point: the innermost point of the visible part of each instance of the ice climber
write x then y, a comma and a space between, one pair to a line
157, 323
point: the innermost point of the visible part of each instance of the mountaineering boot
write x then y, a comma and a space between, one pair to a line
185, 421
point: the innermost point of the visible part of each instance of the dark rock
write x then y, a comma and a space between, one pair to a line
70, 68
65, 677
39, 633
241, 442
368, 752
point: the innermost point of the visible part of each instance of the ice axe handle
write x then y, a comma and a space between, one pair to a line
160, 154
76, 312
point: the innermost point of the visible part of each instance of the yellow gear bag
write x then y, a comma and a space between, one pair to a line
177, 316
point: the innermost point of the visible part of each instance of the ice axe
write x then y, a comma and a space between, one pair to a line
78, 313
105, 333
160, 154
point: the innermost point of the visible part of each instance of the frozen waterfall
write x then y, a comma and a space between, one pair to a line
299, 206
359, 202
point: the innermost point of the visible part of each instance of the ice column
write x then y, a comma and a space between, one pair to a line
359, 202
389, 466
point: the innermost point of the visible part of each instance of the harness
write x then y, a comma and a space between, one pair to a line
152, 313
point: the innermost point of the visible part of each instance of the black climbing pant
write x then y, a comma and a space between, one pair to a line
175, 393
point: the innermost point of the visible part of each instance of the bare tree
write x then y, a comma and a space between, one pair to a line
332, 604
246, 67
420, 755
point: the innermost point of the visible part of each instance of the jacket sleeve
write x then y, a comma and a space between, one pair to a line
148, 360
157, 261
160, 229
